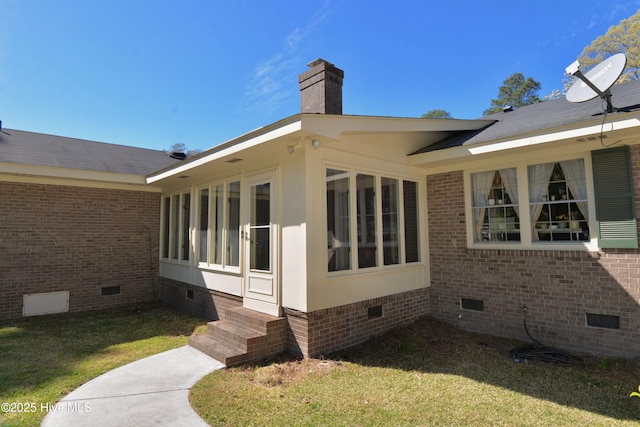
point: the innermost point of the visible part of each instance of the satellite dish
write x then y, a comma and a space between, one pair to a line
597, 81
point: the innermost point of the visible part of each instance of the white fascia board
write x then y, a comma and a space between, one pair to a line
556, 136
463, 151
227, 149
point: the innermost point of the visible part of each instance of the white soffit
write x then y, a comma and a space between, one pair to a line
556, 136
466, 151
335, 126
227, 149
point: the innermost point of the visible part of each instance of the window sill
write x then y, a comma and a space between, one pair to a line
375, 270
174, 261
541, 246
235, 271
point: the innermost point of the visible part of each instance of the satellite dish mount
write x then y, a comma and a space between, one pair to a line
597, 81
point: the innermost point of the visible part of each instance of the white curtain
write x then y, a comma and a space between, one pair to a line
510, 182
481, 183
539, 176
577, 183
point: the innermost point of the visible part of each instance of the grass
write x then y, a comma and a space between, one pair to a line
44, 358
426, 374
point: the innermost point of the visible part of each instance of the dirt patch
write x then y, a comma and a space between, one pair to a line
285, 372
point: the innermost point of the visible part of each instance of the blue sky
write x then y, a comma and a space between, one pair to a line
151, 73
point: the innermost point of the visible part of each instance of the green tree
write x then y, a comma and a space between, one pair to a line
180, 147
621, 38
437, 114
516, 91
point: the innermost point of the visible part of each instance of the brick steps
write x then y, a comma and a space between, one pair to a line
243, 336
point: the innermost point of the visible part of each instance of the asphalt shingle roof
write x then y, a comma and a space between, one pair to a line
536, 118
38, 149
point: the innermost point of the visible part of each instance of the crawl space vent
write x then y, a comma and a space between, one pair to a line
111, 290
603, 321
472, 304
375, 311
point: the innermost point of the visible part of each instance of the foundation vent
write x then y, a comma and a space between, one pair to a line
603, 321
471, 304
45, 303
375, 312
111, 290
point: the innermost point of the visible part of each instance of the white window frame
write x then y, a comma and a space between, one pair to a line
176, 241
526, 238
210, 263
353, 218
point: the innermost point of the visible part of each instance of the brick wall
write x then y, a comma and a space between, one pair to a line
558, 287
203, 302
324, 331
309, 334
76, 239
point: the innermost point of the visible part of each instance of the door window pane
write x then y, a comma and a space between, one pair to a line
338, 226
260, 228
390, 221
366, 217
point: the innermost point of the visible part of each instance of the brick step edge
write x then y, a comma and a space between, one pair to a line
229, 332
222, 352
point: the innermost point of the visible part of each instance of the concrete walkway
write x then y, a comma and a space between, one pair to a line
150, 391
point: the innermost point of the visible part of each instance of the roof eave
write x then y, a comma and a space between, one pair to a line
324, 125
586, 130
229, 148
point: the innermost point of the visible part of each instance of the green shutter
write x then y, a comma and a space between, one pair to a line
615, 209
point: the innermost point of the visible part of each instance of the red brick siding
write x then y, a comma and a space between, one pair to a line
324, 331
310, 334
558, 287
206, 303
76, 239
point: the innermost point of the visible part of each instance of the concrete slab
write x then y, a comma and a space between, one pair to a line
150, 391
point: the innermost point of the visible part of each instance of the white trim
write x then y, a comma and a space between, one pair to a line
460, 153
525, 242
226, 151
557, 136
74, 178
209, 265
378, 175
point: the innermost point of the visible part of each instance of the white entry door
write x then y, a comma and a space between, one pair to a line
261, 284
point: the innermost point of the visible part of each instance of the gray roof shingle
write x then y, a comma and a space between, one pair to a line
536, 118
38, 149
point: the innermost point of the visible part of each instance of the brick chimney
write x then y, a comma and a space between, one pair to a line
321, 88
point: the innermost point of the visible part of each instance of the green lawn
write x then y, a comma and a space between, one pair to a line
426, 374
429, 374
44, 358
